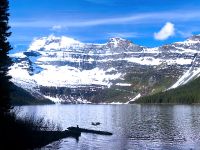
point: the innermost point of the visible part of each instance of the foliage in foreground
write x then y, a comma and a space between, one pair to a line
5, 60
26, 133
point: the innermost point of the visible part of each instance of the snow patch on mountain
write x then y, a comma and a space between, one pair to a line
63, 76
54, 99
151, 50
52, 42
189, 42
60, 100
70, 76
115, 41
135, 98
123, 84
65, 62
192, 73
18, 55
19, 73
145, 60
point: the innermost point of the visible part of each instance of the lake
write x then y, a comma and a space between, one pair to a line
134, 127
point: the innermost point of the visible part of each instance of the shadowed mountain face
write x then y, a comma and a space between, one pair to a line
65, 70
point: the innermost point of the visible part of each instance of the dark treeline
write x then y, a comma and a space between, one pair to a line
186, 94
5, 61
20, 97
17, 133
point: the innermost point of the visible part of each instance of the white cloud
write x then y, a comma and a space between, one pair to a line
154, 17
166, 31
125, 34
56, 27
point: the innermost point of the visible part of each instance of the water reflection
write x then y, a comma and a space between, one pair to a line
134, 126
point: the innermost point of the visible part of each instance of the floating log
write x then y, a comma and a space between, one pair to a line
60, 134
77, 129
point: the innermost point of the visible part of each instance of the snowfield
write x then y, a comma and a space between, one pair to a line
65, 62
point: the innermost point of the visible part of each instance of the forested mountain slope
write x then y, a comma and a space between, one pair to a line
185, 94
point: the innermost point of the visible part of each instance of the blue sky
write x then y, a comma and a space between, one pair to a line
145, 22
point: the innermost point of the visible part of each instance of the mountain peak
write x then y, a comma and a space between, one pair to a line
57, 64
195, 38
117, 41
53, 42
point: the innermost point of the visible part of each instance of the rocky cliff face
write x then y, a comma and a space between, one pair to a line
66, 70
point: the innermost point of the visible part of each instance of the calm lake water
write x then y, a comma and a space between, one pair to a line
134, 127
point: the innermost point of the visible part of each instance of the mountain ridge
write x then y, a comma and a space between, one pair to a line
74, 70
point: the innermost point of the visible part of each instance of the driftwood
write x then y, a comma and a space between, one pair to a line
77, 129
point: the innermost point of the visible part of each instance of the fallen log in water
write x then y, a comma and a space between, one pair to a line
77, 129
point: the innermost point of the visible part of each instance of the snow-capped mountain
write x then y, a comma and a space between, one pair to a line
65, 70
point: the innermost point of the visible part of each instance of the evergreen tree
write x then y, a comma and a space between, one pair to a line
5, 61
